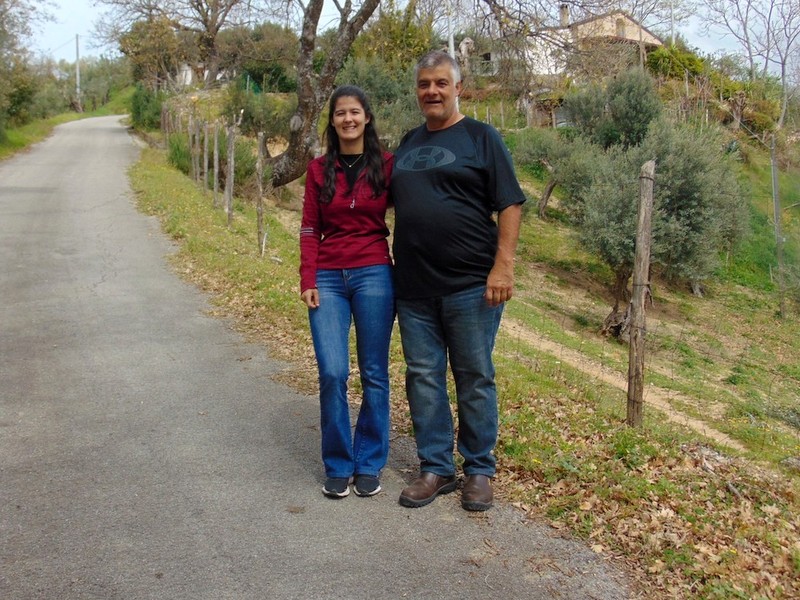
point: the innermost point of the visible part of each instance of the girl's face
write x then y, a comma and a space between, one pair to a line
349, 120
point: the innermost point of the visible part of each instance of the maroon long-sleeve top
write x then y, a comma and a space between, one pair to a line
347, 232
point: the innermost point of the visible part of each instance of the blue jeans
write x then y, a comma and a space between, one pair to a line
462, 326
367, 295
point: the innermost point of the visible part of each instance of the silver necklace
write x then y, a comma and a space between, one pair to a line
352, 164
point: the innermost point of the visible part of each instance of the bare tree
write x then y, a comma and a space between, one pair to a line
659, 14
767, 31
314, 88
202, 18
784, 26
534, 31
740, 19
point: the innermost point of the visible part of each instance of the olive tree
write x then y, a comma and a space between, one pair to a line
699, 209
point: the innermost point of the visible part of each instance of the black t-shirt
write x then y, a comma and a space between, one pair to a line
445, 186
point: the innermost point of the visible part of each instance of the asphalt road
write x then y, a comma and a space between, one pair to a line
145, 451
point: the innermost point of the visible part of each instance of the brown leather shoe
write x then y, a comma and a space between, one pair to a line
424, 489
477, 493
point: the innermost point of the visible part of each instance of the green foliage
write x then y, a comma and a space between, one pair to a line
674, 62
761, 116
265, 53
699, 210
586, 108
397, 37
619, 114
633, 104
21, 91
153, 49
267, 113
178, 153
146, 108
573, 162
534, 145
576, 168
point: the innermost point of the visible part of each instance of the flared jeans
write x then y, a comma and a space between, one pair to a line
362, 296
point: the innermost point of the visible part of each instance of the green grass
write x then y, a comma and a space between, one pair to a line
22, 137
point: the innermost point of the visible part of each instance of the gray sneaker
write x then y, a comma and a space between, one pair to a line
367, 485
336, 487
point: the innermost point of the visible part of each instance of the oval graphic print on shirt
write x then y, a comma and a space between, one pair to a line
424, 158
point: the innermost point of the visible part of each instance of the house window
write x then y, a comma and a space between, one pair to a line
621, 28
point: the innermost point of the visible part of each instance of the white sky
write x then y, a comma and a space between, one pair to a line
75, 17
57, 39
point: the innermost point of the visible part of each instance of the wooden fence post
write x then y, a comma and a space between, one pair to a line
641, 285
262, 242
194, 147
229, 174
205, 156
215, 200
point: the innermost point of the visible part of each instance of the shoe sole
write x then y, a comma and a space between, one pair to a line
411, 503
335, 495
476, 506
366, 494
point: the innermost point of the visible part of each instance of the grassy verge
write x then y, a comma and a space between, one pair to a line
19, 138
32, 133
690, 520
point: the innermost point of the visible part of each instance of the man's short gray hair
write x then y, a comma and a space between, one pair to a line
436, 58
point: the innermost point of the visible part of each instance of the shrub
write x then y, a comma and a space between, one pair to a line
146, 108
267, 113
620, 114
178, 153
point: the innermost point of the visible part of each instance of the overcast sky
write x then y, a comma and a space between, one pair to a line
75, 17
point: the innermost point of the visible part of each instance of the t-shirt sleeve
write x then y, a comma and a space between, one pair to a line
503, 185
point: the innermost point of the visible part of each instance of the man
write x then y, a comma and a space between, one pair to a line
454, 269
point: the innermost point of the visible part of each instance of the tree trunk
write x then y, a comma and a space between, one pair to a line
548, 190
313, 90
620, 289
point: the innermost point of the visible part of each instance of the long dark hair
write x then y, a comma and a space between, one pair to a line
373, 149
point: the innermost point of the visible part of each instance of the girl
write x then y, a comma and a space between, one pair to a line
346, 274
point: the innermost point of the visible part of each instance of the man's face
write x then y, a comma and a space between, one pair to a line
437, 93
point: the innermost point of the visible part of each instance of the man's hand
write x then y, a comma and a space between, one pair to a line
311, 297
500, 283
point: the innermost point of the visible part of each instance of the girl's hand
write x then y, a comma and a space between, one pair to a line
311, 297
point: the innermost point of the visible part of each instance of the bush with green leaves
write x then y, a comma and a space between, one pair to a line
617, 114
146, 108
260, 112
533, 148
178, 153
674, 62
179, 156
562, 159
699, 209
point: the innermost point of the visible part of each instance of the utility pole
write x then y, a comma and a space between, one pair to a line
672, 22
78, 74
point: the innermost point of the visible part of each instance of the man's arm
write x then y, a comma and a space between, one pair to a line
500, 283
